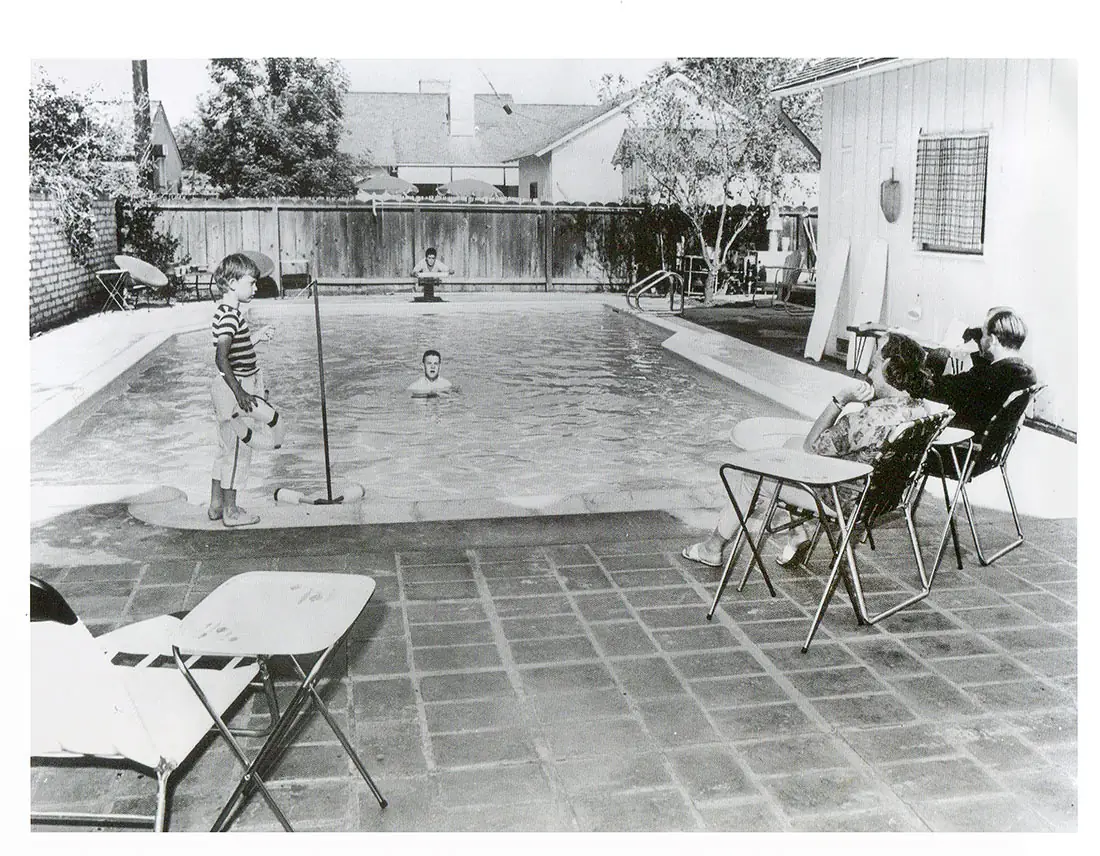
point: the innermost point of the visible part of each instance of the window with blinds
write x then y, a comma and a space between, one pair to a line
949, 192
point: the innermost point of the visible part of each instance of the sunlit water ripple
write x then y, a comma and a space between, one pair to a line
548, 402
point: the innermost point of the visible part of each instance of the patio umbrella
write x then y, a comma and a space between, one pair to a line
377, 185
466, 187
263, 262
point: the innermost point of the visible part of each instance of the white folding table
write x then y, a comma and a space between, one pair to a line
275, 613
784, 466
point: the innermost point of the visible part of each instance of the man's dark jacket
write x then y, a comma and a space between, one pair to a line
978, 394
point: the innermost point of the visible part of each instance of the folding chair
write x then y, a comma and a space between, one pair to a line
90, 702
991, 451
895, 484
142, 280
264, 614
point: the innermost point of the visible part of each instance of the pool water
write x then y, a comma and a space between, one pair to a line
555, 400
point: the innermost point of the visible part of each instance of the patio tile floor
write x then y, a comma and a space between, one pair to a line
560, 675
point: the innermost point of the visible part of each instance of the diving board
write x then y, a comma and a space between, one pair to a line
830, 277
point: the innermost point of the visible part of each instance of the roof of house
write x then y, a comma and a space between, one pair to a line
827, 70
554, 137
598, 114
119, 115
410, 128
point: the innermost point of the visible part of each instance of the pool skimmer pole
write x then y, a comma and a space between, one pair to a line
352, 491
321, 372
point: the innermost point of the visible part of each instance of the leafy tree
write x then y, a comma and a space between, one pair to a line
704, 131
78, 155
272, 127
74, 158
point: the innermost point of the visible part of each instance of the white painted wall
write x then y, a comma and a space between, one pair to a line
1029, 107
581, 169
535, 169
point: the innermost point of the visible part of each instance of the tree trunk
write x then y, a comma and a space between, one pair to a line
712, 285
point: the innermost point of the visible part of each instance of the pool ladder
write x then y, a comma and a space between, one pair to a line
649, 283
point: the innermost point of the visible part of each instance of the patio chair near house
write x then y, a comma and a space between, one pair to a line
895, 483
792, 282
143, 282
991, 450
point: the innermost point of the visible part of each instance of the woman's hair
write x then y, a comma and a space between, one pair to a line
234, 266
904, 368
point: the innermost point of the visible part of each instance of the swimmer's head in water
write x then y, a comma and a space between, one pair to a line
431, 360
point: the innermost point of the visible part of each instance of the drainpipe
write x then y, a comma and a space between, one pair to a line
799, 134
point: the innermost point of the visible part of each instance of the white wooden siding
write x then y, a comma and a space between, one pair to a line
1029, 107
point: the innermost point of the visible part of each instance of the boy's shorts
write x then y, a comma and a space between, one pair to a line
234, 460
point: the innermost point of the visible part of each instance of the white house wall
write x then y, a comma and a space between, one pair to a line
534, 169
581, 169
1029, 107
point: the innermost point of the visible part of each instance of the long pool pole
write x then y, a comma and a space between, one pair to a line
321, 371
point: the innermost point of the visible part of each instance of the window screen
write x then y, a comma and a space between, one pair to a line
949, 192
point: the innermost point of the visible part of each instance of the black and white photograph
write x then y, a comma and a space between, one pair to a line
665, 442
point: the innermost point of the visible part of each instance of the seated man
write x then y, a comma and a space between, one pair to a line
998, 371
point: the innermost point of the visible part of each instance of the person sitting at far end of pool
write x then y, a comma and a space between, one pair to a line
998, 370
895, 395
431, 267
239, 393
431, 384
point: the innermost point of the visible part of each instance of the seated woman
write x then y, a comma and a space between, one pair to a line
898, 383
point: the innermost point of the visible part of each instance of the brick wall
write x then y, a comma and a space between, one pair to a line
62, 290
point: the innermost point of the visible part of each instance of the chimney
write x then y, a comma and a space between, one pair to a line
435, 87
460, 104
460, 110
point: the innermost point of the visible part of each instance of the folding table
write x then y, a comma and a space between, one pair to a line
197, 278
267, 614
113, 281
793, 467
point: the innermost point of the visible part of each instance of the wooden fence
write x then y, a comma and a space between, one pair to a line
361, 245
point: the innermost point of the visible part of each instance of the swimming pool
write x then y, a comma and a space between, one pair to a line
554, 400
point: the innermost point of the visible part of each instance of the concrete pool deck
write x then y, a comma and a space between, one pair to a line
557, 673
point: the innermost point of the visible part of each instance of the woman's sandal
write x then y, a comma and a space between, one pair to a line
692, 553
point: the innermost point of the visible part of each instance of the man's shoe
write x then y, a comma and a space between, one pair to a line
793, 555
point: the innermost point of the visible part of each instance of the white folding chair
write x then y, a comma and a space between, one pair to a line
88, 703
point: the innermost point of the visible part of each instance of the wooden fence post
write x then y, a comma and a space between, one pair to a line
278, 250
548, 249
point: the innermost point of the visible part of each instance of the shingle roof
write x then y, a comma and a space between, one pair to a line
553, 134
411, 128
819, 72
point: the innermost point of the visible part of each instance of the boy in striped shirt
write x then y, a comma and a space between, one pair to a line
245, 418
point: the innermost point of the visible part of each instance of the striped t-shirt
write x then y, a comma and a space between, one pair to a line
228, 321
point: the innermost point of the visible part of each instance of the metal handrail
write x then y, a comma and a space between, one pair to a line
647, 283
